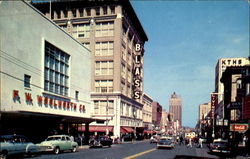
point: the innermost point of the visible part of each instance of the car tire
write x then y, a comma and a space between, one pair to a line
57, 150
74, 149
109, 145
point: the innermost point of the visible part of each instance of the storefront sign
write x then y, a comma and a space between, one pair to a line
239, 127
214, 101
137, 72
235, 105
50, 101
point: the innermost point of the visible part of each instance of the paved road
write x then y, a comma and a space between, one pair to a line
139, 150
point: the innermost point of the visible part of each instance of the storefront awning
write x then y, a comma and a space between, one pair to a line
125, 129
93, 128
148, 131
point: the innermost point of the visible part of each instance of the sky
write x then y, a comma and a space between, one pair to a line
186, 39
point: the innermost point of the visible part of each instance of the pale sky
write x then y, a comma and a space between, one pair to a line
186, 39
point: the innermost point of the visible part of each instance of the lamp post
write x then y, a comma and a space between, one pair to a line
107, 108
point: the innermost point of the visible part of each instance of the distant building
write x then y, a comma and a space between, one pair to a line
221, 66
204, 109
147, 111
175, 107
156, 114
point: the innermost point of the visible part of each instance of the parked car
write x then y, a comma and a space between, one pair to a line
100, 141
165, 142
58, 143
220, 146
16, 144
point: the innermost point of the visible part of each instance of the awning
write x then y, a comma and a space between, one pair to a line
125, 129
148, 131
93, 128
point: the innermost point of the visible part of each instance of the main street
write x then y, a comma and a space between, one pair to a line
138, 150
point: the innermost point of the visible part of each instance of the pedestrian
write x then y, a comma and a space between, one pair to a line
190, 142
181, 140
71, 138
200, 142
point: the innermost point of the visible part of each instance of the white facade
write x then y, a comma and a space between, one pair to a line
24, 34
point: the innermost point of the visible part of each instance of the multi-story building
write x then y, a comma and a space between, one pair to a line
45, 81
204, 109
164, 121
175, 107
147, 111
221, 66
115, 37
236, 94
156, 115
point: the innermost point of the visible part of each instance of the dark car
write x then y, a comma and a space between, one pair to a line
100, 141
165, 142
220, 146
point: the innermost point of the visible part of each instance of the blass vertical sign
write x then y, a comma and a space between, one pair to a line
137, 72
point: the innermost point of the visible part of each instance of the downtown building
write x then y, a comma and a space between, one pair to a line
115, 37
221, 66
175, 108
147, 113
45, 81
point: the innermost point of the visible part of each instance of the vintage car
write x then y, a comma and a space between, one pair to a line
220, 146
165, 142
58, 143
16, 144
100, 141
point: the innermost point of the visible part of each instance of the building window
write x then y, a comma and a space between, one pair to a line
104, 29
77, 95
87, 45
105, 10
27, 79
81, 30
123, 71
88, 11
74, 12
65, 13
104, 67
104, 107
97, 11
104, 48
56, 70
123, 88
104, 86
112, 9
81, 12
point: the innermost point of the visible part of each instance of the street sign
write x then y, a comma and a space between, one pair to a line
239, 127
235, 105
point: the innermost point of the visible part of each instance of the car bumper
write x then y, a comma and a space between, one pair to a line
166, 146
46, 148
220, 151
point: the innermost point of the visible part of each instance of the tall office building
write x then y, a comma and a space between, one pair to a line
175, 107
115, 36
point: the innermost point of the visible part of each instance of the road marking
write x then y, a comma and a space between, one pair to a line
139, 154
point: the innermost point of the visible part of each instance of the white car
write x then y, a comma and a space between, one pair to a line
58, 143
16, 144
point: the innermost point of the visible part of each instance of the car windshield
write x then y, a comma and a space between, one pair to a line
6, 139
53, 138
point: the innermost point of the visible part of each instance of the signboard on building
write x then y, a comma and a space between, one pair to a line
239, 127
137, 72
214, 100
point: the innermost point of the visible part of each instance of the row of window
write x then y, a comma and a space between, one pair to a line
83, 12
104, 107
130, 111
101, 29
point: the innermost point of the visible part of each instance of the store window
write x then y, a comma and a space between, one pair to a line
56, 70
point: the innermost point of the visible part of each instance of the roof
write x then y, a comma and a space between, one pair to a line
43, 6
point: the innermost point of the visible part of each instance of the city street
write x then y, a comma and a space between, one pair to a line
138, 150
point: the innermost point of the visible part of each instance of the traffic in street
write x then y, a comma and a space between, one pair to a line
135, 150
